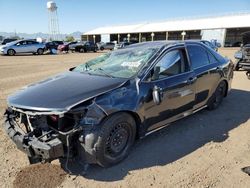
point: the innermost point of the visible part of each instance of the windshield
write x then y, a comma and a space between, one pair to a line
123, 63
12, 43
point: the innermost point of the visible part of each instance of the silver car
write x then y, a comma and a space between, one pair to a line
22, 46
106, 46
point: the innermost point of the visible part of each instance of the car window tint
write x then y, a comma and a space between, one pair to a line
198, 56
212, 59
23, 42
30, 42
173, 63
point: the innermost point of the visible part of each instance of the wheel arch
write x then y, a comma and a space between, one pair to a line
11, 49
134, 115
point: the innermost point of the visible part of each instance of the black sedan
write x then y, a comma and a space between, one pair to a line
52, 45
96, 111
83, 46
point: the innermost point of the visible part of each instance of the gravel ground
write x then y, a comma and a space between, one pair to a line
207, 149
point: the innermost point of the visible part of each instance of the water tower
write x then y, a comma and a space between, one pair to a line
54, 33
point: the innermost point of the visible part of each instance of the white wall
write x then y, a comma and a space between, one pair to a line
217, 34
105, 38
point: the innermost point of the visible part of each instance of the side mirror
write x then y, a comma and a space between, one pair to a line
156, 95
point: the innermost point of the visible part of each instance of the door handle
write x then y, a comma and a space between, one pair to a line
191, 80
218, 68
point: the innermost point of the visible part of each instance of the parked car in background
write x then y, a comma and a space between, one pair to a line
52, 45
94, 112
65, 47
5, 41
228, 44
83, 46
237, 44
22, 46
243, 55
106, 46
122, 45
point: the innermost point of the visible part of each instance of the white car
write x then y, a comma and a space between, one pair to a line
22, 46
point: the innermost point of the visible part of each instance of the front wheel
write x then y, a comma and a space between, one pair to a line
11, 52
218, 96
116, 137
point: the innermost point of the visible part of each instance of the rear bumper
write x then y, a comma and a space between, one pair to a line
31, 145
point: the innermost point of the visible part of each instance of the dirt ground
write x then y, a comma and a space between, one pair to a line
207, 149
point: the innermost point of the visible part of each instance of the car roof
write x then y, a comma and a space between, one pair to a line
159, 44
156, 44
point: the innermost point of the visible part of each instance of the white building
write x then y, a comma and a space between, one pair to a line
226, 29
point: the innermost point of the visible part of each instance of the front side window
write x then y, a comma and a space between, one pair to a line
173, 63
198, 56
123, 63
21, 43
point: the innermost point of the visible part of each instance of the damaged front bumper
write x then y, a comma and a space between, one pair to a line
34, 147
43, 140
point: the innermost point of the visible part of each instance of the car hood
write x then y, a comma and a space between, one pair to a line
63, 91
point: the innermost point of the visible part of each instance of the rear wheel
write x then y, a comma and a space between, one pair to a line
40, 51
81, 50
11, 52
116, 137
218, 96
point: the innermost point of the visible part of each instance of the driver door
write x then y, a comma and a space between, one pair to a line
174, 82
21, 47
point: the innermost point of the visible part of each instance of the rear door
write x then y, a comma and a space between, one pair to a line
31, 46
207, 70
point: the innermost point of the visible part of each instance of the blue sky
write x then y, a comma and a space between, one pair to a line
82, 15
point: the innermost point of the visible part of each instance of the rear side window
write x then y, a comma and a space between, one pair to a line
212, 59
198, 56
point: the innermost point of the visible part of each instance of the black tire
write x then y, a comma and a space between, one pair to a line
216, 99
116, 137
248, 74
237, 67
81, 50
11, 52
40, 51
102, 48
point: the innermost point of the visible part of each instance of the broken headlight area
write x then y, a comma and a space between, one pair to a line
45, 136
